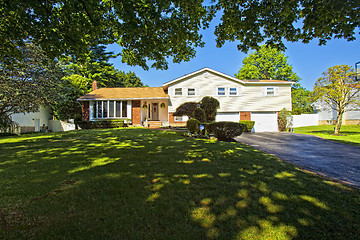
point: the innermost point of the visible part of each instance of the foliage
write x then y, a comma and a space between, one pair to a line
350, 134
210, 106
301, 102
155, 31
199, 114
267, 63
339, 89
187, 108
225, 130
29, 83
102, 124
193, 125
135, 183
248, 125
284, 120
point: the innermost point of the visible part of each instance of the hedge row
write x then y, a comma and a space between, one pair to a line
221, 130
102, 124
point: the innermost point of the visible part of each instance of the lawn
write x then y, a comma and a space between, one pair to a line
150, 184
349, 134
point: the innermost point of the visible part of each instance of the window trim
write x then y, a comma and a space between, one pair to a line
181, 91
176, 120
192, 95
217, 92
102, 103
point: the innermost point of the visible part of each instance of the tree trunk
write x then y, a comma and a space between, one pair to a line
338, 121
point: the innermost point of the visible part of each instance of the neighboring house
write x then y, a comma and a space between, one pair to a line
256, 100
33, 121
40, 121
328, 116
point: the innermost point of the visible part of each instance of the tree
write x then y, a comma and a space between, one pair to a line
187, 109
339, 89
155, 31
81, 73
210, 106
267, 63
27, 84
301, 100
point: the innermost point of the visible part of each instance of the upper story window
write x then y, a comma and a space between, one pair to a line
178, 91
221, 91
191, 91
233, 91
270, 91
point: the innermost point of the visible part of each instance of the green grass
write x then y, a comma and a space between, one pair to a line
148, 184
349, 134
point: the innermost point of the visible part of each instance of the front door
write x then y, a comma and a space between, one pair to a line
155, 111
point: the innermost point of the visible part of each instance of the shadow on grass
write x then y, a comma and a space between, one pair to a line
147, 184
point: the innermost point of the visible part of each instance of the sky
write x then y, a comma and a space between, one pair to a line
309, 61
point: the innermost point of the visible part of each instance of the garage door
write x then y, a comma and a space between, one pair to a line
228, 116
265, 121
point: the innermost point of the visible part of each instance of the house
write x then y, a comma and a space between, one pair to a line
256, 100
328, 116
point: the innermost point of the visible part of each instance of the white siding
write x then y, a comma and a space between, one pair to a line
29, 119
250, 99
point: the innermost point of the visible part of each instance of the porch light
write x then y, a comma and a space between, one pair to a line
357, 70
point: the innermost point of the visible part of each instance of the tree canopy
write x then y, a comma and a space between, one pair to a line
152, 32
339, 89
301, 102
27, 84
267, 63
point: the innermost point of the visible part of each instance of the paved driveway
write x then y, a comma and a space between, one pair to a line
336, 160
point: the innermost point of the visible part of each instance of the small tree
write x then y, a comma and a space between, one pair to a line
186, 108
210, 106
284, 119
339, 89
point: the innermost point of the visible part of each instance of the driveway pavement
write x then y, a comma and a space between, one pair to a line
336, 160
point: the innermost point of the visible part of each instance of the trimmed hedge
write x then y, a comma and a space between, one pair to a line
225, 130
193, 125
248, 125
102, 124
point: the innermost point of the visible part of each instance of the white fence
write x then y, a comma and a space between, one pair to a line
304, 120
60, 126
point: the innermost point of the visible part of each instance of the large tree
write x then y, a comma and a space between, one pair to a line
154, 31
339, 89
267, 63
301, 102
27, 84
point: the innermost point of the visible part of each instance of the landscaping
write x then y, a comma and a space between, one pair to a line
135, 183
349, 134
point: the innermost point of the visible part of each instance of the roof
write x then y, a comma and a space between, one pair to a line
125, 93
245, 82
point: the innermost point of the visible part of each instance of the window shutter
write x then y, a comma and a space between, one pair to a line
215, 91
184, 91
276, 91
197, 91
171, 91
239, 91
263, 91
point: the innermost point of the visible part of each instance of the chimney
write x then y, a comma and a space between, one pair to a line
94, 85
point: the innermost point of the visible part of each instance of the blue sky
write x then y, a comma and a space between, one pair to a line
309, 61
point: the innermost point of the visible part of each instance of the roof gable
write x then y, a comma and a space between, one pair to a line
244, 82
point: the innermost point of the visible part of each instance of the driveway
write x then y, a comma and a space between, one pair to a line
336, 160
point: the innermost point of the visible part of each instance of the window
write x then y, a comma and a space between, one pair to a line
221, 91
270, 91
178, 118
233, 92
191, 91
178, 91
110, 109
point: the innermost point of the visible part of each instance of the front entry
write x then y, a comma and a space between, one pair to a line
155, 111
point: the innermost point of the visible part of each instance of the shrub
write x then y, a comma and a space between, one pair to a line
225, 130
284, 120
193, 125
248, 125
101, 124
186, 108
199, 114
210, 106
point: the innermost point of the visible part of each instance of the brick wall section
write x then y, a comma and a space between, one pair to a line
245, 116
173, 123
136, 112
85, 111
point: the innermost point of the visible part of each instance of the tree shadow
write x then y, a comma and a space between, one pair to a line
148, 184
